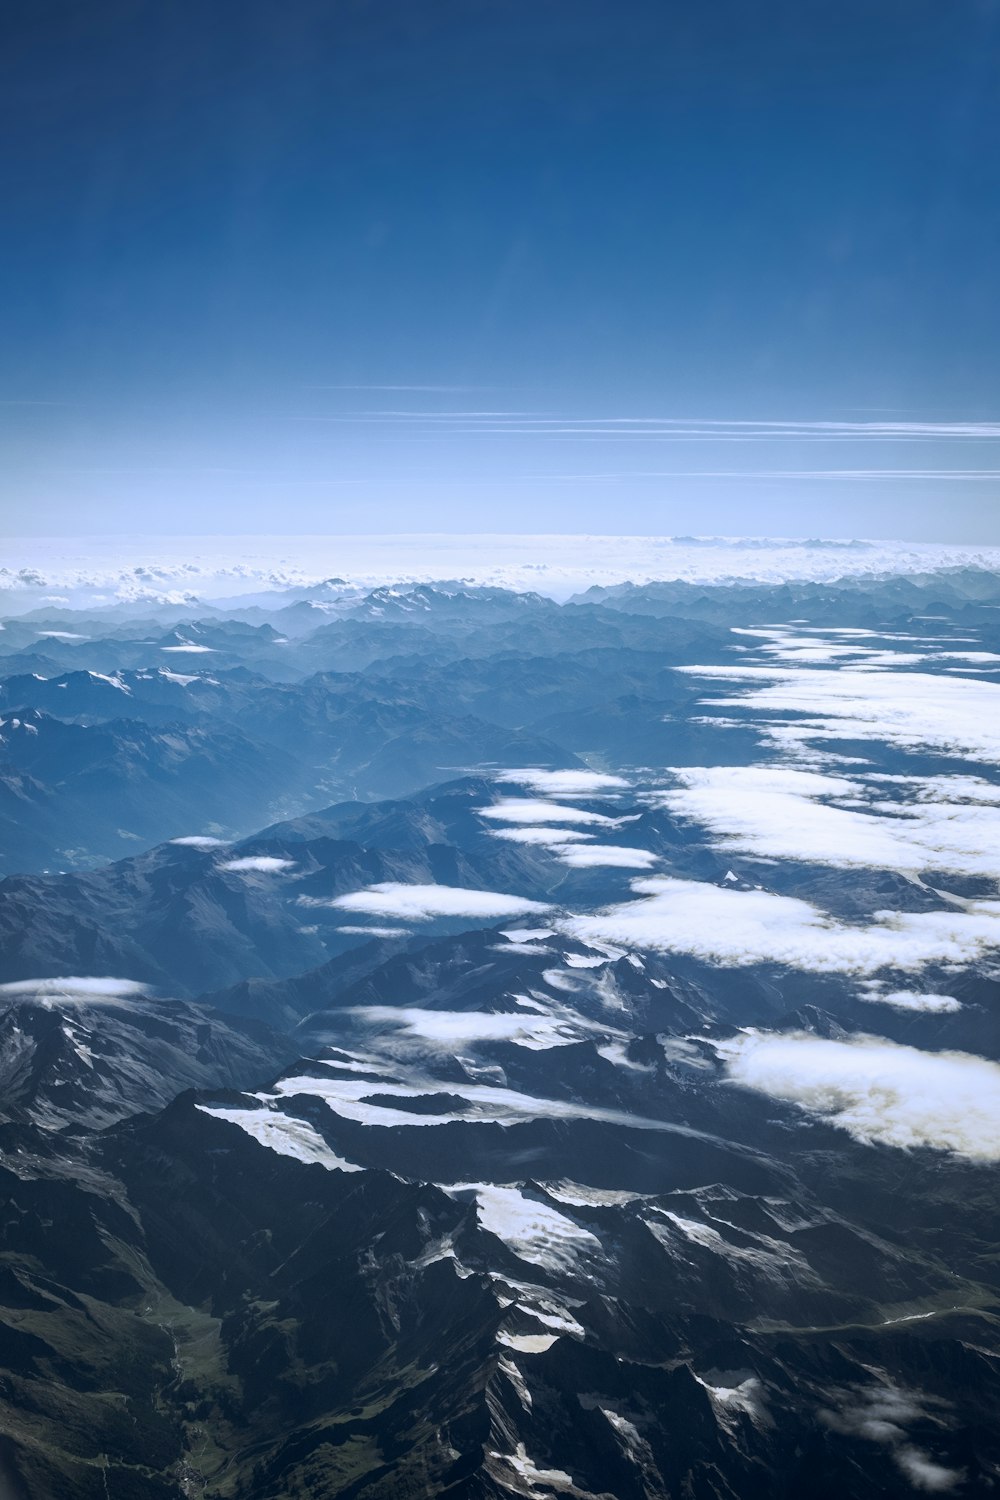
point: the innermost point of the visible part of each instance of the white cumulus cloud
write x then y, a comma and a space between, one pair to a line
781, 812
873, 993
882, 1414
564, 783
533, 810
737, 928
376, 932
914, 711
551, 837
263, 864
592, 856
423, 903
448, 1028
878, 1091
75, 987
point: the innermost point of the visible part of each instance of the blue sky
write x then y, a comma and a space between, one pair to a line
495, 265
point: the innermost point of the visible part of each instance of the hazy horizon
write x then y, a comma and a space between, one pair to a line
100, 571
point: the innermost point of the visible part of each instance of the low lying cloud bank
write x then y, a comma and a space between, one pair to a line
74, 987
913, 711
737, 928
447, 1029
781, 812
832, 645
621, 856
882, 1414
533, 810
558, 565
879, 1092
376, 932
564, 783
262, 864
551, 837
873, 993
423, 903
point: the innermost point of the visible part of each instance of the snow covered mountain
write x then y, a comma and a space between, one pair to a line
612, 1110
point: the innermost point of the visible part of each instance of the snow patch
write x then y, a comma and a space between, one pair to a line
283, 1134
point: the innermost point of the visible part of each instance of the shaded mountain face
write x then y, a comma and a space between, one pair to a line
442, 682
135, 757
399, 1267
81, 1054
580, 1078
261, 907
92, 792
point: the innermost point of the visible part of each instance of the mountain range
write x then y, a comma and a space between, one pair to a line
453, 1043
